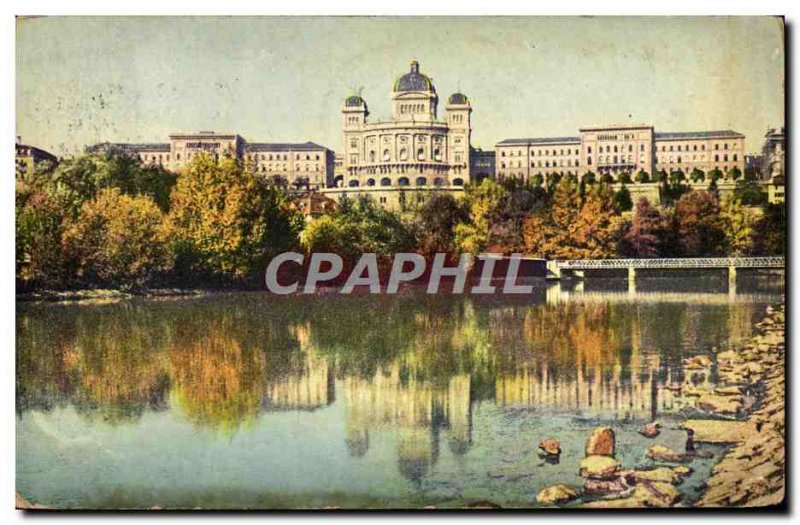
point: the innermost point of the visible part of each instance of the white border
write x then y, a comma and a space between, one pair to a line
791, 9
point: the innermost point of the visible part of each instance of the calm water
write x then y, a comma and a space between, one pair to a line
247, 400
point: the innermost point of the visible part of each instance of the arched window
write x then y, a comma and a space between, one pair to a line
421, 181
438, 181
458, 182
370, 182
420, 153
403, 154
354, 183
386, 154
386, 181
402, 181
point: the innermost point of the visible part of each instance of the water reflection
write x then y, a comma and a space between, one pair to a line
413, 366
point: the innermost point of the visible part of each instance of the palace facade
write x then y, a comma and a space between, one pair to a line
399, 161
621, 149
300, 165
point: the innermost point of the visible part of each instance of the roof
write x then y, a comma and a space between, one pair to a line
354, 101
414, 81
542, 140
458, 98
681, 135
278, 146
34, 150
129, 147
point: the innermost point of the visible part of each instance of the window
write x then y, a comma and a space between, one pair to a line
734, 157
589, 150
421, 181
726, 145
403, 154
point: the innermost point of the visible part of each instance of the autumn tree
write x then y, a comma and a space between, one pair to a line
117, 239
738, 223
227, 220
698, 226
646, 235
438, 218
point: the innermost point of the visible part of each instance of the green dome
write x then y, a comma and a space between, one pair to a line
414, 81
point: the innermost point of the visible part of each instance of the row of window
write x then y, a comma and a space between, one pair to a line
281, 156
404, 181
545, 152
412, 108
685, 147
734, 157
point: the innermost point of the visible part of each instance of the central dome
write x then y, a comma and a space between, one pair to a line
414, 81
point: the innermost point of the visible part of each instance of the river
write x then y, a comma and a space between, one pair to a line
246, 400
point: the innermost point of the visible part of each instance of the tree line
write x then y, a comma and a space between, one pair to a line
102, 219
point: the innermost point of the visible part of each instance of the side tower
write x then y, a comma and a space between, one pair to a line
459, 136
354, 118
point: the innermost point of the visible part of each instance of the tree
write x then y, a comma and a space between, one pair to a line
749, 193
575, 227
39, 258
677, 177
482, 202
714, 175
624, 178
607, 178
228, 221
647, 234
117, 239
698, 226
697, 175
770, 230
438, 218
642, 177
589, 178
622, 199
734, 173
538, 179
738, 223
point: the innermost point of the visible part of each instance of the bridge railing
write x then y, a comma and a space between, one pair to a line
699, 262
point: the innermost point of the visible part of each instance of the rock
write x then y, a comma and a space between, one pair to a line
650, 430
725, 405
656, 494
617, 487
660, 474
601, 442
599, 467
714, 431
682, 470
550, 447
729, 390
662, 453
555, 495
622, 503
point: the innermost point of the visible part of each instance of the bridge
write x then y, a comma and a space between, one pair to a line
558, 269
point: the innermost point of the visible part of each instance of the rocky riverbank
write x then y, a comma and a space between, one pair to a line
742, 407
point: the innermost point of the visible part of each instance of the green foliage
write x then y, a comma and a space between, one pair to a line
607, 178
642, 177
735, 173
39, 258
677, 177
437, 219
359, 228
750, 193
738, 223
622, 199
697, 175
116, 239
770, 230
624, 178
226, 220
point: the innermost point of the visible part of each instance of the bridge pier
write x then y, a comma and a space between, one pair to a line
732, 280
631, 280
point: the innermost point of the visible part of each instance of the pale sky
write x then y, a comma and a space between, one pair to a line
281, 79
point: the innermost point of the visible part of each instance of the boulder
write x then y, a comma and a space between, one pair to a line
650, 430
601, 442
599, 467
549, 447
656, 494
682, 470
725, 405
715, 431
556, 495
662, 453
616, 487
660, 474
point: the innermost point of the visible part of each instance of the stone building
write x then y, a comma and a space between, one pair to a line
27, 157
774, 154
615, 150
400, 161
300, 165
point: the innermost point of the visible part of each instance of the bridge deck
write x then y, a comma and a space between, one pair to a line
701, 262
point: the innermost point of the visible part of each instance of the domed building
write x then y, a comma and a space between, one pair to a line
399, 162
